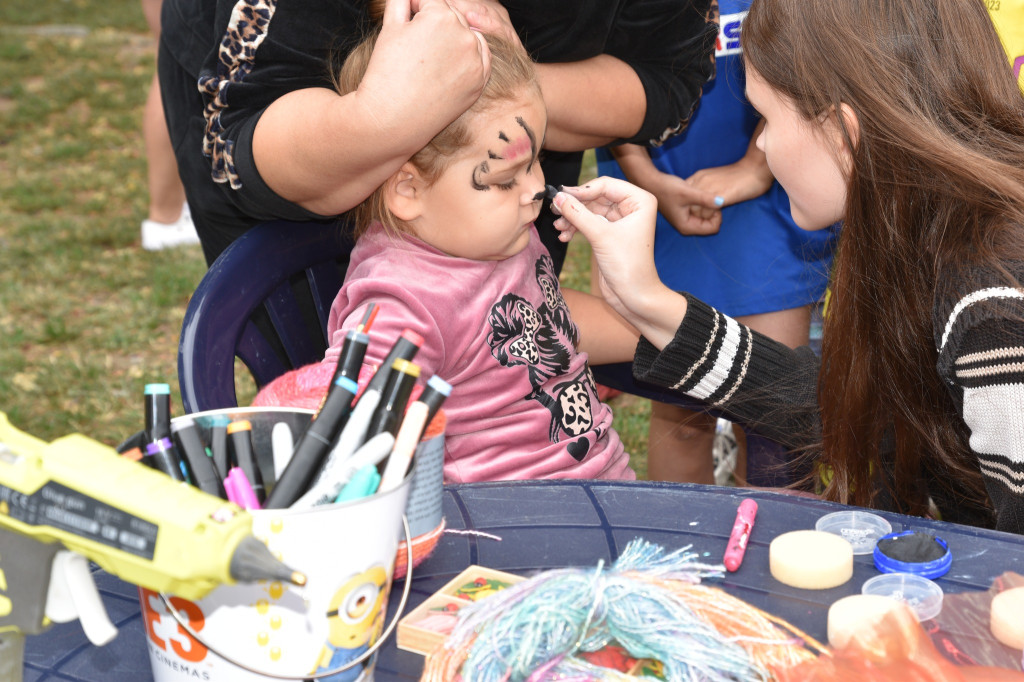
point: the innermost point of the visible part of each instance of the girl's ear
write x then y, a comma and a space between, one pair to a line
404, 192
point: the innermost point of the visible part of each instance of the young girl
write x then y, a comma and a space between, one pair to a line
903, 120
447, 248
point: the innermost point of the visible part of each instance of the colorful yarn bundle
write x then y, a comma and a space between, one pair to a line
647, 603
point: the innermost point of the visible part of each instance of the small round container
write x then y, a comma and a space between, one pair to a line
926, 569
861, 529
922, 595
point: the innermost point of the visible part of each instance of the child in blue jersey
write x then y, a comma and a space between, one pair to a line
747, 259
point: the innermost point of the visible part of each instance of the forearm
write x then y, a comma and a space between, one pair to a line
757, 381
328, 152
604, 335
591, 102
637, 166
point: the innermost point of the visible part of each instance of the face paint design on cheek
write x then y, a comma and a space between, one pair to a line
516, 149
479, 171
512, 151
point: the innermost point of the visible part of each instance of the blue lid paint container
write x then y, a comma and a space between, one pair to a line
913, 552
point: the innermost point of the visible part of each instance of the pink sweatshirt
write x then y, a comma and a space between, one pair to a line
524, 403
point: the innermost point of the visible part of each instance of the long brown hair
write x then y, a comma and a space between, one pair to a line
937, 187
512, 75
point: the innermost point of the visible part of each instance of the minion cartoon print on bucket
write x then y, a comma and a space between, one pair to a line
354, 619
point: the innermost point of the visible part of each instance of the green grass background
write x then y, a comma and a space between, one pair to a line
87, 317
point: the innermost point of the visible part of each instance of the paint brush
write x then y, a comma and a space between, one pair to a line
549, 192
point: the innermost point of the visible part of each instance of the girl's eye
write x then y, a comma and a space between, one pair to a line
507, 185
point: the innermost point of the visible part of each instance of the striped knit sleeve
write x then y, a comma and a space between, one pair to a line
984, 353
758, 382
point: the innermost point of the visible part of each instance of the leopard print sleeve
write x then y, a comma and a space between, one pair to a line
236, 54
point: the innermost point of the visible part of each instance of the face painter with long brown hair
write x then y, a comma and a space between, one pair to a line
904, 121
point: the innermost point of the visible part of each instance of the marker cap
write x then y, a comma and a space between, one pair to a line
440, 385
239, 425
159, 445
406, 367
157, 389
412, 336
347, 384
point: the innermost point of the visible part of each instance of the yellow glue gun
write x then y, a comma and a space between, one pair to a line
135, 522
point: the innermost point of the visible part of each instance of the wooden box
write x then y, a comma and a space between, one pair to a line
425, 627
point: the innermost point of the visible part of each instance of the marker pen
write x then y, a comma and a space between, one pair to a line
394, 398
330, 484
240, 442
219, 444
314, 445
160, 454
352, 353
434, 395
362, 484
405, 347
405, 445
238, 483
368, 317
282, 444
158, 411
353, 435
135, 454
190, 444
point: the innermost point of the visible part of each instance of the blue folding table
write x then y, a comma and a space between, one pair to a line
554, 524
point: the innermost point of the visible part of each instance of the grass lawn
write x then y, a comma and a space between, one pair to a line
87, 317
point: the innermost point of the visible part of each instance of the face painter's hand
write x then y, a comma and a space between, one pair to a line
618, 220
451, 62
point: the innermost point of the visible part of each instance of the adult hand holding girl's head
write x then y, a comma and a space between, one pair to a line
487, 16
427, 57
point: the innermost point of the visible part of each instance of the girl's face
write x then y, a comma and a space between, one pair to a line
482, 205
802, 155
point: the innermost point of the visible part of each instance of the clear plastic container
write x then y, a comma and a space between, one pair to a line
861, 529
922, 595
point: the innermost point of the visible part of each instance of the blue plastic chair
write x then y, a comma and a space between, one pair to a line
275, 271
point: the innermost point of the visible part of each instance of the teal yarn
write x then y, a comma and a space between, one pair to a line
534, 631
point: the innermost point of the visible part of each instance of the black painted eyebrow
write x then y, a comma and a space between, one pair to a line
533, 139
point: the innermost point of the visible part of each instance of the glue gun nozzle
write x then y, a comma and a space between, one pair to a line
252, 561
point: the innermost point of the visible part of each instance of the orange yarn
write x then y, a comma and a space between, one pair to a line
422, 547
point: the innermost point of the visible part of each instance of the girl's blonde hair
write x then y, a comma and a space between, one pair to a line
512, 75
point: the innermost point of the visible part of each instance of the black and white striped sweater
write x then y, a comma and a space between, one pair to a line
980, 339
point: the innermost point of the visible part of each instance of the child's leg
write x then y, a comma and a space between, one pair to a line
166, 194
680, 441
791, 327
679, 445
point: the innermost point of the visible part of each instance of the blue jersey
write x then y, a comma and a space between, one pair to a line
760, 261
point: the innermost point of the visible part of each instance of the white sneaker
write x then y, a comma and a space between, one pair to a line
158, 236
